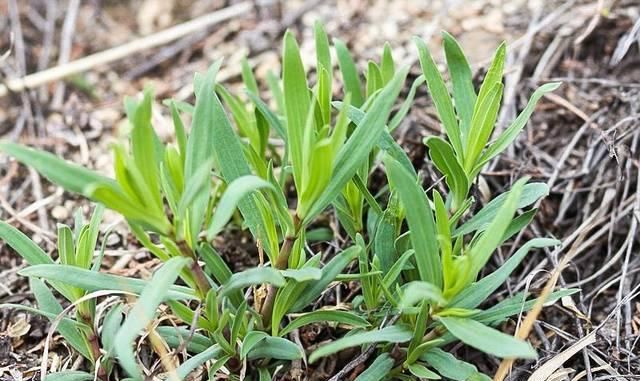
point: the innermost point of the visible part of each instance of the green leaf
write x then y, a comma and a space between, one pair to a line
92, 281
482, 124
399, 265
406, 105
235, 192
440, 96
22, 245
445, 160
387, 66
480, 221
510, 134
68, 328
481, 251
350, 77
341, 317
517, 304
420, 220
357, 148
143, 312
191, 364
87, 242
200, 147
176, 336
487, 339
253, 276
422, 371
303, 274
477, 292
273, 119
69, 375
392, 334
248, 78
417, 291
329, 273
447, 365
250, 340
110, 326
464, 94
66, 249
277, 348
71, 177
196, 185
297, 103
378, 369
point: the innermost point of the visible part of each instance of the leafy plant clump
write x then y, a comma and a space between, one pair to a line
421, 283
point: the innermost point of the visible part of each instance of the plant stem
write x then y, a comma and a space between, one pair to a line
199, 276
94, 345
282, 262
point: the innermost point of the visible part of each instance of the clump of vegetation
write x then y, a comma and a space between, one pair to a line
421, 283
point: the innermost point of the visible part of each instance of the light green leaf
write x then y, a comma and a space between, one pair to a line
482, 124
440, 96
417, 291
487, 339
191, 364
235, 192
329, 273
510, 134
302, 275
477, 292
143, 312
463, 92
253, 276
422, 371
445, 160
342, 317
250, 340
92, 281
482, 250
22, 245
71, 177
297, 103
277, 348
357, 148
530, 193
392, 334
350, 77
378, 370
69, 375
447, 365
420, 220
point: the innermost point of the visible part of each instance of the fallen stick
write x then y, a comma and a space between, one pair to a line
86, 63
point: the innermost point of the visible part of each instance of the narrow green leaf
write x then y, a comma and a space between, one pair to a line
22, 245
482, 125
417, 291
342, 317
191, 364
378, 369
477, 292
71, 177
69, 375
445, 160
297, 103
422, 371
248, 78
250, 340
447, 365
91, 281
277, 348
303, 274
350, 77
143, 311
463, 92
357, 148
420, 220
253, 276
510, 134
487, 339
440, 96
392, 334
235, 192
329, 273
530, 193
489, 241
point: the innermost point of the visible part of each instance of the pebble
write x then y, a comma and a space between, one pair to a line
60, 213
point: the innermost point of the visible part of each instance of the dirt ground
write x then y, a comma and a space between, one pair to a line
582, 141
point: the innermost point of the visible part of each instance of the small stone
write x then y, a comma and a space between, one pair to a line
60, 212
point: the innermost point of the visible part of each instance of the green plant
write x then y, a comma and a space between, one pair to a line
419, 287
